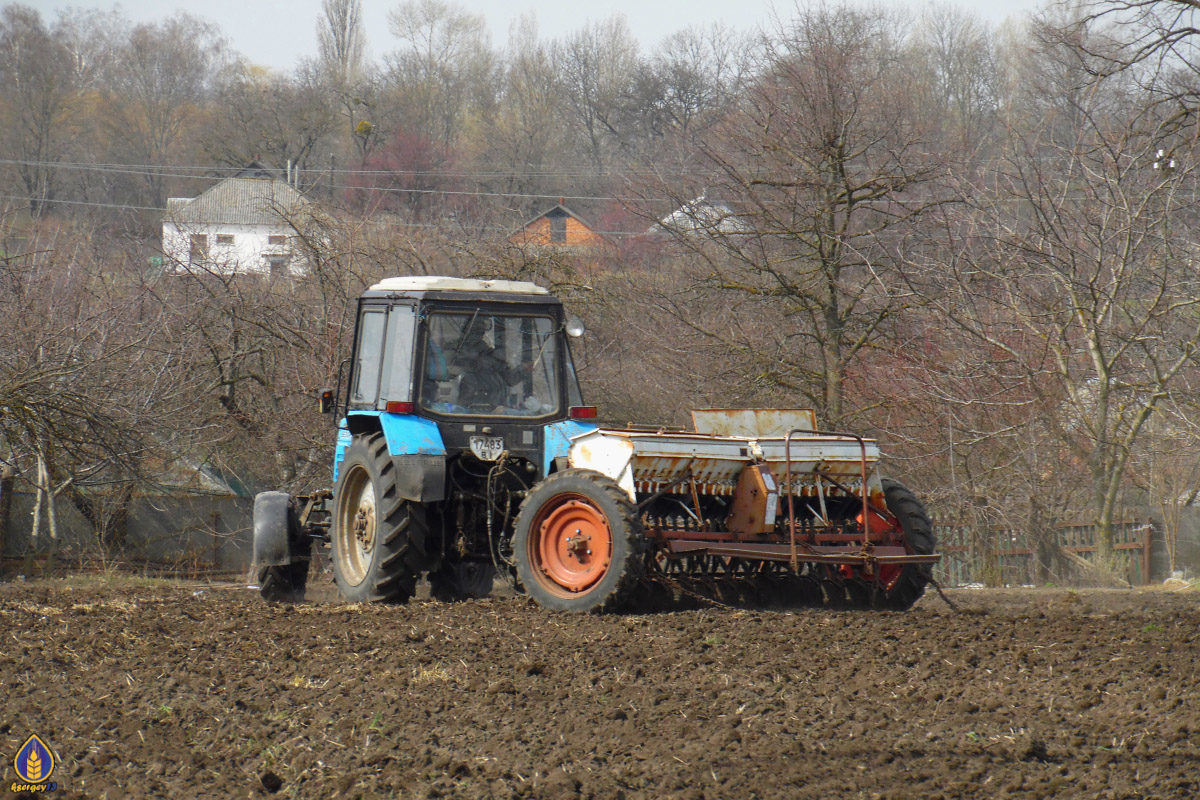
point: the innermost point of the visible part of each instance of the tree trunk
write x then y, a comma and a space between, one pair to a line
7, 480
1103, 509
1046, 555
1105, 552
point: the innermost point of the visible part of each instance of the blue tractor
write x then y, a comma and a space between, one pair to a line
464, 451
461, 397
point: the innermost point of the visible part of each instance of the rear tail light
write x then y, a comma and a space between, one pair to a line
398, 407
326, 401
582, 412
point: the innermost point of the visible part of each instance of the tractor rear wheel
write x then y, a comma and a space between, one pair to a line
919, 535
578, 543
377, 535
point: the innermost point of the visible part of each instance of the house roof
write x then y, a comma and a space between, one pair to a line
255, 169
258, 200
556, 210
702, 216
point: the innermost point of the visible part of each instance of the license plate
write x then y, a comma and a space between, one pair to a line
487, 448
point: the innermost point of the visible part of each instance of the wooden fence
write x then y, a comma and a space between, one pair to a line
998, 556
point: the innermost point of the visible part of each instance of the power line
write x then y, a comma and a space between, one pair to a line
184, 171
402, 190
371, 221
156, 171
52, 201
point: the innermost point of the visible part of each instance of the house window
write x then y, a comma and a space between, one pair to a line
224, 238
558, 227
198, 248
277, 240
278, 265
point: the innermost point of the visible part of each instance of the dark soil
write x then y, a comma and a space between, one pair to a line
156, 689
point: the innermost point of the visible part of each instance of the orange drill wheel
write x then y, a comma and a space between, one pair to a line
574, 544
578, 543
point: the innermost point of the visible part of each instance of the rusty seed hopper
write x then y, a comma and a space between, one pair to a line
755, 486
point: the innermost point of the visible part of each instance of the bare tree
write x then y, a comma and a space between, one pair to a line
963, 72
158, 94
527, 139
444, 70
810, 185
1092, 261
1155, 39
89, 385
1165, 467
405, 174
341, 44
93, 40
702, 72
280, 118
1055, 65
597, 66
977, 425
37, 88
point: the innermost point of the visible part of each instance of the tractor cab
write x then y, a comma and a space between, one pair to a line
444, 366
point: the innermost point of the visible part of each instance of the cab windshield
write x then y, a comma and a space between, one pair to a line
480, 363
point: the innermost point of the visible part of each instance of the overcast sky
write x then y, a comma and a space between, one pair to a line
277, 34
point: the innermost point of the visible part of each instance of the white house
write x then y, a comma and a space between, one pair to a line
246, 223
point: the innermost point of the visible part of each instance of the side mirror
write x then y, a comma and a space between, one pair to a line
325, 401
574, 327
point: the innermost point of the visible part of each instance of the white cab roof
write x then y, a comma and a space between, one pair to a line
433, 283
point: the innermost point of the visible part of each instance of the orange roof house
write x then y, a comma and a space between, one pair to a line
557, 227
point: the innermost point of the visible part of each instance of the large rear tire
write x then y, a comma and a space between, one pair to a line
377, 535
578, 543
918, 533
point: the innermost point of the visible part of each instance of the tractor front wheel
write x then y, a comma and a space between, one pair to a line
283, 584
377, 535
277, 531
461, 580
578, 543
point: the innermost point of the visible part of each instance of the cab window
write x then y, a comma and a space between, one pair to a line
383, 366
370, 348
397, 372
491, 364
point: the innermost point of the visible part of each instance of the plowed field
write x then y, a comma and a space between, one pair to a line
152, 689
